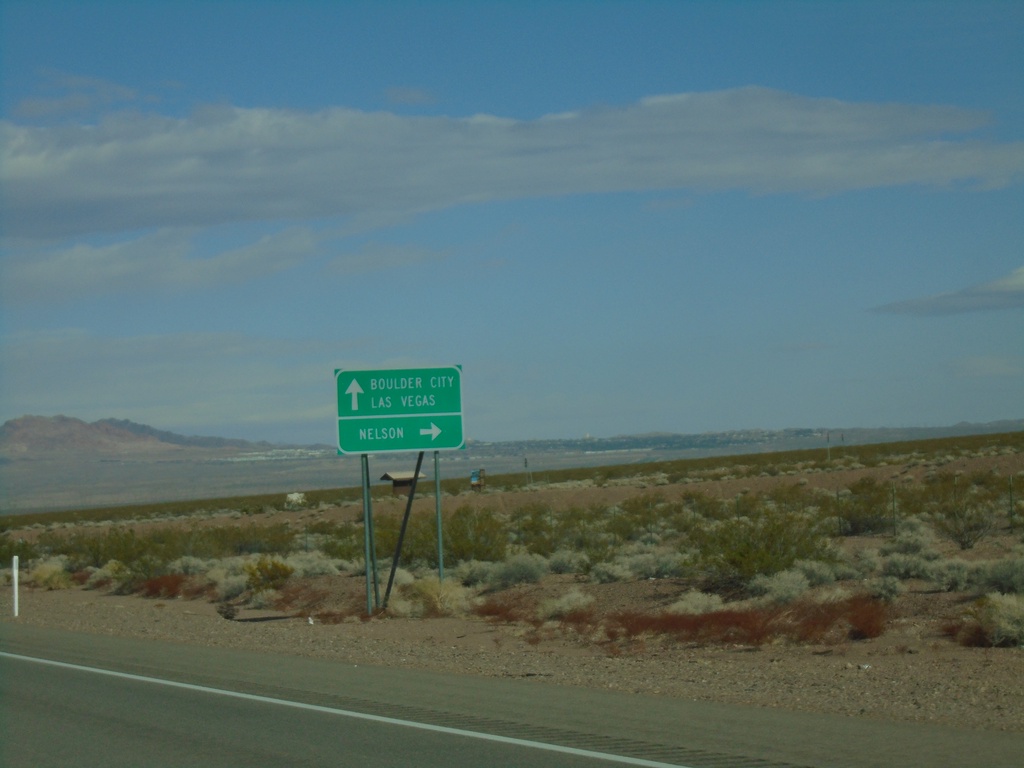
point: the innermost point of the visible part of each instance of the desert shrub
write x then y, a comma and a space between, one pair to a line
914, 538
640, 515
228, 578
113, 572
953, 575
995, 620
907, 567
886, 588
572, 602
266, 573
863, 563
658, 564
310, 564
519, 569
190, 566
343, 541
533, 528
264, 599
846, 570
867, 508
51, 574
94, 550
735, 551
696, 602
608, 572
475, 572
140, 570
148, 555
568, 561
228, 586
782, 587
474, 534
817, 572
9, 547
965, 523
1006, 576
165, 586
419, 543
582, 529
250, 539
696, 506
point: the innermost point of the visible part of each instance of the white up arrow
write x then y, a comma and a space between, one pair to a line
355, 390
434, 431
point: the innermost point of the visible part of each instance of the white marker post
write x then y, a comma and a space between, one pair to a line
14, 568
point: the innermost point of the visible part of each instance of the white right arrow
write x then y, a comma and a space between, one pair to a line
434, 431
355, 390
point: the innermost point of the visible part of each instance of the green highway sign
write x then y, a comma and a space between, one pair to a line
394, 410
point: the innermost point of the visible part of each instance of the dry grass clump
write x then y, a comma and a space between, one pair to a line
572, 603
431, 598
849, 618
166, 586
995, 620
51, 574
506, 607
699, 618
696, 603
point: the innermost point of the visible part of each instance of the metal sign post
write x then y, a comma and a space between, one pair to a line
437, 507
368, 534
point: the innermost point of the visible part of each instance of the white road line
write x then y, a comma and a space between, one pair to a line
621, 759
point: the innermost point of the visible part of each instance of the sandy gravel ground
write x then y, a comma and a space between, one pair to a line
911, 673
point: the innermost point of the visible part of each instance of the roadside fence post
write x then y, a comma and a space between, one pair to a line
14, 570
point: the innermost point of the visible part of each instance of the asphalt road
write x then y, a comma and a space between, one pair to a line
231, 708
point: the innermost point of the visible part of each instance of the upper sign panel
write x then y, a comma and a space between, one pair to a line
391, 410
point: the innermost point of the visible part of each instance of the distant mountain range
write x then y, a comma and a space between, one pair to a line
38, 436
32, 435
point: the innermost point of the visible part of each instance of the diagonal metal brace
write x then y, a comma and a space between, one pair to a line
401, 533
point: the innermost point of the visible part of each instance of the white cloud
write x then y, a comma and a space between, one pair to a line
134, 172
73, 94
162, 260
1004, 293
989, 366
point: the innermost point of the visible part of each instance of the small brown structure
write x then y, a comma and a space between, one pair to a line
401, 482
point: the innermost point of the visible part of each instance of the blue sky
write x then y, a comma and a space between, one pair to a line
617, 217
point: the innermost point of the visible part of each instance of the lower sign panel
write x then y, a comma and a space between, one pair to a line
400, 433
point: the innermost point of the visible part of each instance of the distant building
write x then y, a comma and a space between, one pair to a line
401, 482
